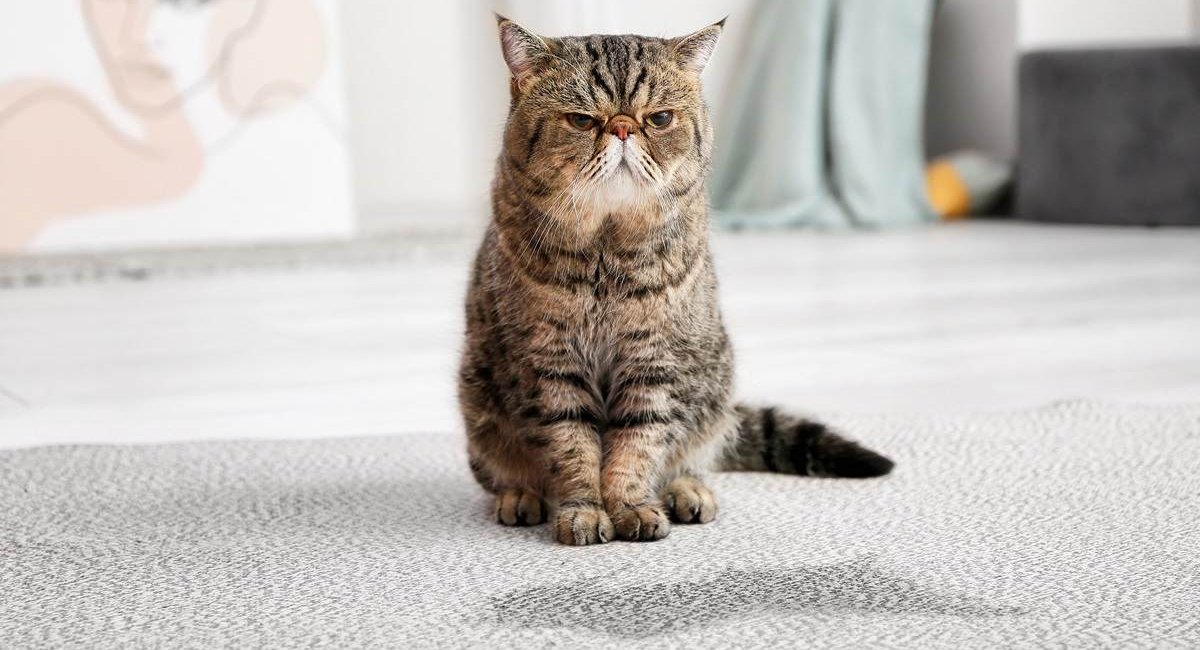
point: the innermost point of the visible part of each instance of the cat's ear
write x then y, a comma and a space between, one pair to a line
524, 51
694, 49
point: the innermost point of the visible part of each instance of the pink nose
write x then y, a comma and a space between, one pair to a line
620, 126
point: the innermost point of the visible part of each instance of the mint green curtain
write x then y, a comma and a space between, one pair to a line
823, 126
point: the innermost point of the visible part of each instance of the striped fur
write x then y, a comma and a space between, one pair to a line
770, 441
596, 375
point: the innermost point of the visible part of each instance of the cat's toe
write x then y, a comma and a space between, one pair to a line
582, 526
688, 501
644, 522
519, 507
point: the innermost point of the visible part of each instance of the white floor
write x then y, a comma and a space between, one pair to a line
960, 317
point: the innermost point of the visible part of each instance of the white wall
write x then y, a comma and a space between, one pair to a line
1048, 23
972, 78
411, 107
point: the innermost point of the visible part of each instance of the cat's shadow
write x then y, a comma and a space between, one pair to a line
858, 586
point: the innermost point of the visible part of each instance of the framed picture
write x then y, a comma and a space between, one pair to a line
133, 123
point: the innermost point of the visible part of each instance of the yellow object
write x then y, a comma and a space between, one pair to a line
948, 193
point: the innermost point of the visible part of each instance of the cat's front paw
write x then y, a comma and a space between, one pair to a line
582, 525
644, 522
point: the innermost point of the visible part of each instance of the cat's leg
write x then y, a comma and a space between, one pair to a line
552, 446
634, 456
687, 498
503, 473
573, 476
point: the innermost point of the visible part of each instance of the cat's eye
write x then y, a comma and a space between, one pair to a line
581, 121
660, 119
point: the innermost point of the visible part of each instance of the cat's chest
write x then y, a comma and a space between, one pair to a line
598, 310
613, 302
607, 329
602, 352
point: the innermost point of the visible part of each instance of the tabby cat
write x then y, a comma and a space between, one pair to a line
596, 377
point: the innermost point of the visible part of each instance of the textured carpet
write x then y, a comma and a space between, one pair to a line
1075, 525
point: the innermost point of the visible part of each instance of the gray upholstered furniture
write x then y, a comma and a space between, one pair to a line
1110, 136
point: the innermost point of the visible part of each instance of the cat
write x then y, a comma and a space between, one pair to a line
596, 376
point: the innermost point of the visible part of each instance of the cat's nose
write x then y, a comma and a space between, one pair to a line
621, 125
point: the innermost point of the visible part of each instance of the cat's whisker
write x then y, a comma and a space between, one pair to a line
567, 200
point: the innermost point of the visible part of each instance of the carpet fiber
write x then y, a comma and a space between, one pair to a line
1074, 525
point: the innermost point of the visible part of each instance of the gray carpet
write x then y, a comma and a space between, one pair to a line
1076, 525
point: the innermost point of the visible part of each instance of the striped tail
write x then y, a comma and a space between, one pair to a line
769, 441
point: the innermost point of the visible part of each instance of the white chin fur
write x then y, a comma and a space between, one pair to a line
621, 190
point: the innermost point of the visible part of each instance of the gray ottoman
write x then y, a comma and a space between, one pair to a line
1110, 136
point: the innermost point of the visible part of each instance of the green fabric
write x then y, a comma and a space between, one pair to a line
824, 123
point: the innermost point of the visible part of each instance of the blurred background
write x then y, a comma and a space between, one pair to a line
319, 118
253, 217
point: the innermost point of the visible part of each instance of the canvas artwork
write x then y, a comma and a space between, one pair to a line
129, 123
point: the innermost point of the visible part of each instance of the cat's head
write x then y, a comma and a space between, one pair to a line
607, 124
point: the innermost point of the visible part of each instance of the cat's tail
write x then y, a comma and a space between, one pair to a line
770, 441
